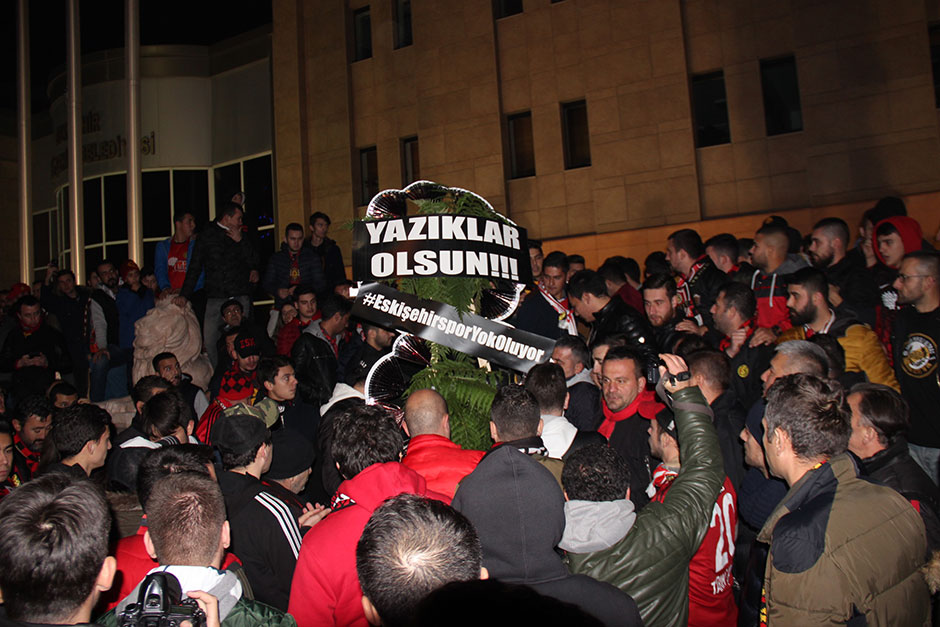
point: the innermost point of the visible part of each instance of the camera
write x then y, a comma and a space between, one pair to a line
159, 604
652, 370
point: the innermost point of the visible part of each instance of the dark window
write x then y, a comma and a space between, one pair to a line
115, 207
42, 251
710, 108
401, 10
91, 198
259, 191
575, 135
228, 182
191, 193
782, 112
410, 163
368, 175
521, 145
505, 8
935, 61
362, 34
155, 193
117, 253
150, 251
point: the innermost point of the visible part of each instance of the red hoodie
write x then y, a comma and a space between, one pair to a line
908, 229
325, 589
441, 462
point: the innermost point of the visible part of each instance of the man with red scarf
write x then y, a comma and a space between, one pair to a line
734, 314
627, 405
32, 425
33, 350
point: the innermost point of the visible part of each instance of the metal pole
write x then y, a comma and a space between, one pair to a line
24, 152
76, 208
135, 241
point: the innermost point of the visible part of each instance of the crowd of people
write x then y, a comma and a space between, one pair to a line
736, 432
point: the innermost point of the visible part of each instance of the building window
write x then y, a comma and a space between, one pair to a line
935, 61
410, 162
710, 108
368, 175
521, 145
782, 113
505, 8
401, 11
362, 34
575, 135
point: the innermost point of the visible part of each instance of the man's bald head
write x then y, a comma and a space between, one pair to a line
426, 413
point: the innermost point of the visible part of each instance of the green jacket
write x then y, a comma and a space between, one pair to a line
842, 547
651, 562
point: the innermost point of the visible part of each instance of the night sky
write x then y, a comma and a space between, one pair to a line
102, 27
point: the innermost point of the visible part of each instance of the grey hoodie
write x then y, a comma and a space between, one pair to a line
596, 525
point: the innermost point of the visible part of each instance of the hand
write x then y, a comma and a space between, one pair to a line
41, 361
235, 233
312, 514
675, 365
763, 336
689, 326
738, 337
208, 604
102, 354
253, 276
835, 295
179, 301
50, 272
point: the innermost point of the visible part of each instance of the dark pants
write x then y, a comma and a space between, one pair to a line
118, 358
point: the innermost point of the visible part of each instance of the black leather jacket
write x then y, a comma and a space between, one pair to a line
618, 317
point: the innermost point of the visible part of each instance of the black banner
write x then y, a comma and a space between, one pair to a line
439, 245
441, 323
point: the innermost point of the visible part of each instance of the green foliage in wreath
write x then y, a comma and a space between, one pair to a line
467, 387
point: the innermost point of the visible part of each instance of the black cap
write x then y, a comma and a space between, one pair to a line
239, 433
245, 344
293, 454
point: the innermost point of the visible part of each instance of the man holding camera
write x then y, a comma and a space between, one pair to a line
187, 533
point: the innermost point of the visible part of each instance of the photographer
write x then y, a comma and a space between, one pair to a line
54, 559
187, 534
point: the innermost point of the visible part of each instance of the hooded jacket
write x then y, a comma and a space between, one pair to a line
518, 511
649, 560
844, 550
908, 229
325, 589
770, 289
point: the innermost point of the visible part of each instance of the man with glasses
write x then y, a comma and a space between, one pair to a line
915, 341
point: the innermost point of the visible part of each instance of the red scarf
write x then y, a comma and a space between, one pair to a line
726, 340
684, 289
32, 459
663, 477
27, 331
645, 404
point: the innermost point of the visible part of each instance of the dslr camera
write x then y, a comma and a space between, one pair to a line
159, 604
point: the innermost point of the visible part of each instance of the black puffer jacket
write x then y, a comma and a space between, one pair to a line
618, 317
227, 264
315, 365
517, 508
895, 468
331, 260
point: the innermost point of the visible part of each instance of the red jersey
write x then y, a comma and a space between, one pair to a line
177, 262
711, 603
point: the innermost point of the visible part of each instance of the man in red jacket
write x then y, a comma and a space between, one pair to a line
431, 453
367, 445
